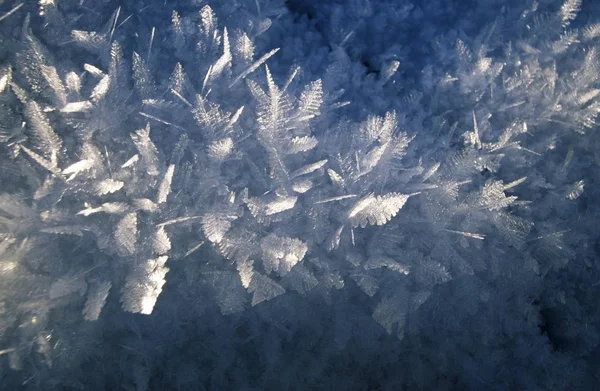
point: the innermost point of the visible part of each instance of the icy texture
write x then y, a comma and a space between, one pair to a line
269, 194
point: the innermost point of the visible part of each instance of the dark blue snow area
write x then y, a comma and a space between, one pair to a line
299, 195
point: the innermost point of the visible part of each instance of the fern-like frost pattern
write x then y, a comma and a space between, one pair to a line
192, 161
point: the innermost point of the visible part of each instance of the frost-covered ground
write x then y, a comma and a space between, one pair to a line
301, 194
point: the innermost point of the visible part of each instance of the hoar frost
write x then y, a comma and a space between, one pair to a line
194, 157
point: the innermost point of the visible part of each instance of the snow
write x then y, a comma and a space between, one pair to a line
300, 194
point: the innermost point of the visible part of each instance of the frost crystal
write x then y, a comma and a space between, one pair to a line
268, 149
376, 210
280, 254
144, 285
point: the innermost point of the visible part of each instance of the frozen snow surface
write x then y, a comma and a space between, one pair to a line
299, 195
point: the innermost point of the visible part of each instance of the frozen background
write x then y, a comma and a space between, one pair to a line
293, 195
